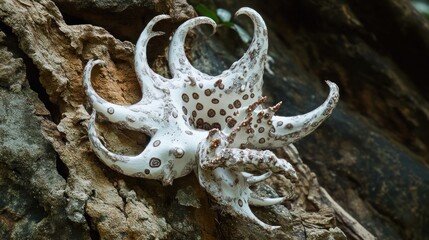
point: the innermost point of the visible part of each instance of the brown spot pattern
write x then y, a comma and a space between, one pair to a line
185, 97
232, 122
207, 92
237, 103
211, 113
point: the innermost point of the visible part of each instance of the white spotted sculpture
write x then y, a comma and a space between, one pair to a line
213, 125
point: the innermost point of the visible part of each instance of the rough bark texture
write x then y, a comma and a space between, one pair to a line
371, 156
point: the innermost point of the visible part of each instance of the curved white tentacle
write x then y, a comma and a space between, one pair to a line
248, 70
178, 62
140, 117
129, 165
269, 131
150, 81
291, 129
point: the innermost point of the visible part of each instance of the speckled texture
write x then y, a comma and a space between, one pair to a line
377, 178
214, 125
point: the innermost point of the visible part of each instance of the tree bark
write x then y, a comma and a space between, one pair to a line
370, 156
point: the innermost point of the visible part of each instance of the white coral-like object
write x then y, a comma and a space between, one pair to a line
213, 125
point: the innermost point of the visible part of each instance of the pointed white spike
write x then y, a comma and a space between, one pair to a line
255, 179
251, 65
258, 201
178, 62
291, 129
247, 213
246, 174
145, 75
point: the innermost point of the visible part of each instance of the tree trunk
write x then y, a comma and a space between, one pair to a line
363, 173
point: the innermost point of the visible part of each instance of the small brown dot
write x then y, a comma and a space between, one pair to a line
228, 118
262, 140
211, 113
252, 95
221, 86
147, 171
194, 113
195, 95
199, 106
219, 81
266, 115
207, 126
222, 112
185, 97
207, 92
185, 110
245, 96
156, 143
232, 122
215, 101
110, 110
200, 121
216, 125
230, 106
289, 126
261, 130
237, 103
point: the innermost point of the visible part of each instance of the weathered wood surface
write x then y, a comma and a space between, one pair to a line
371, 155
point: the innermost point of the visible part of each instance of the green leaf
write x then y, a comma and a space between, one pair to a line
228, 24
203, 10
